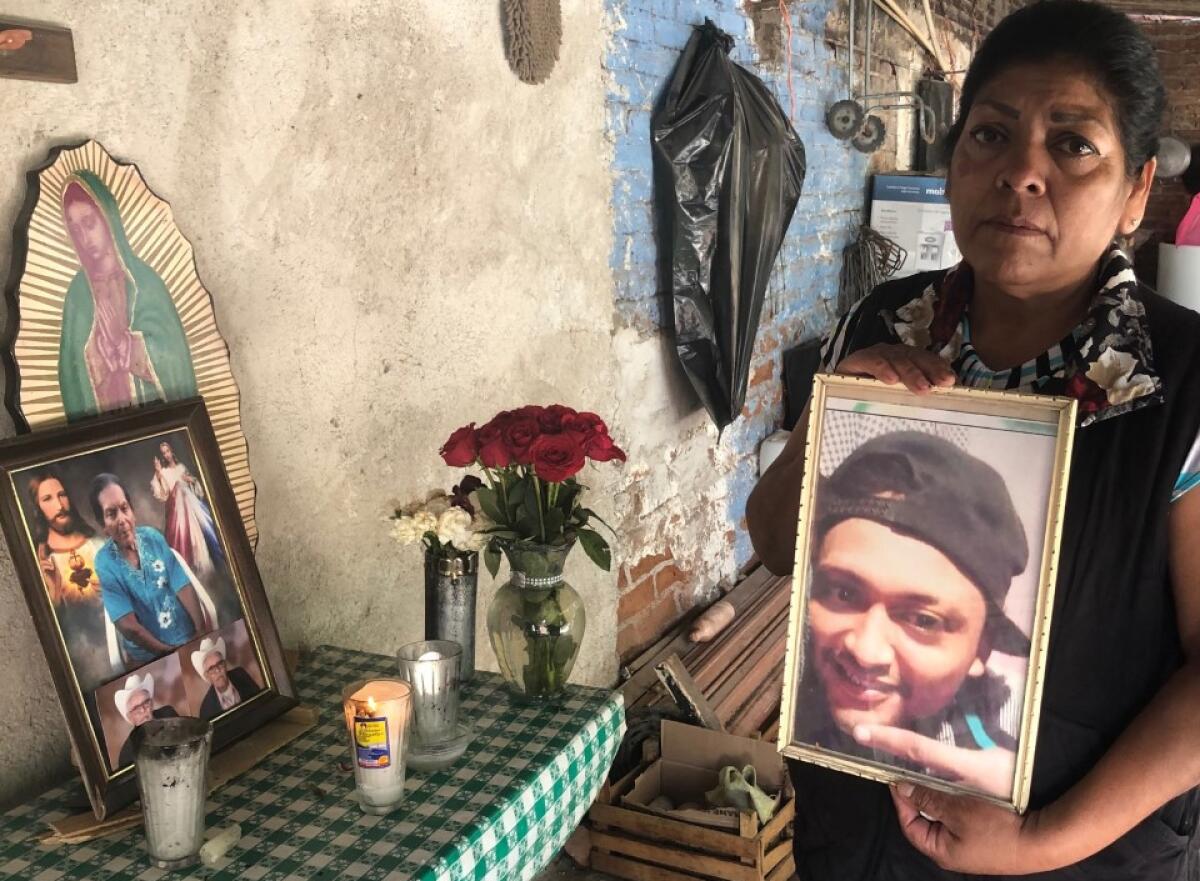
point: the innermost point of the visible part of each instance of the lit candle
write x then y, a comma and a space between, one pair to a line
426, 674
432, 667
377, 717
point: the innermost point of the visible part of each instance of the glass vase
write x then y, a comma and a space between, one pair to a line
536, 622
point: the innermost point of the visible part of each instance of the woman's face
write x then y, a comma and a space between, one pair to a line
1038, 186
119, 524
89, 232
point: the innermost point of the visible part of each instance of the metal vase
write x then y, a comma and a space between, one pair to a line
450, 585
171, 760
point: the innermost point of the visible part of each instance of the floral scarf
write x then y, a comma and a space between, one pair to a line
1107, 361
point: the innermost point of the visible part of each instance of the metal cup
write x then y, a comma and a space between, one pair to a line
171, 760
435, 683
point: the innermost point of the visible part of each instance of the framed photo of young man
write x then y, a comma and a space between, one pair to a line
925, 561
137, 570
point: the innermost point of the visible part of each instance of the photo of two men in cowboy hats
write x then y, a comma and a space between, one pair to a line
207, 677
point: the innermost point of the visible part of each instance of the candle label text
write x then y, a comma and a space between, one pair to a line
371, 742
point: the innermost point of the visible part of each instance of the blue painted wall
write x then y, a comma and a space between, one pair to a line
648, 36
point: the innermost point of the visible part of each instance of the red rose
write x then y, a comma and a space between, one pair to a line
553, 419
584, 425
519, 435
556, 457
493, 452
529, 411
461, 447
600, 448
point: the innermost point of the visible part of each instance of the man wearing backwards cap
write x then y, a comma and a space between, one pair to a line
135, 703
916, 543
227, 688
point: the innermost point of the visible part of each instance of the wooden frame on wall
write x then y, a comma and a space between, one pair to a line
925, 564
186, 630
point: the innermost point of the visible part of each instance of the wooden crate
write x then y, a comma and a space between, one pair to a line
642, 846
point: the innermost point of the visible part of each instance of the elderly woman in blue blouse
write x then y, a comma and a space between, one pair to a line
1051, 158
146, 591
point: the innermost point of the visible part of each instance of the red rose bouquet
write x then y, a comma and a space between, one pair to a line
530, 458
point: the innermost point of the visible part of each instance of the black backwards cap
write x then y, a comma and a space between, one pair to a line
927, 488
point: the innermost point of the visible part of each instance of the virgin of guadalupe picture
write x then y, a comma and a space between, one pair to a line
122, 341
108, 313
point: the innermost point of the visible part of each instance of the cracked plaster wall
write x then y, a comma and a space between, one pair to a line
400, 238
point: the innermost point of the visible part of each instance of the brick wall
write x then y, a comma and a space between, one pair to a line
970, 17
1178, 45
660, 578
658, 584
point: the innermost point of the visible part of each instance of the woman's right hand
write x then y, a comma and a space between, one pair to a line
919, 370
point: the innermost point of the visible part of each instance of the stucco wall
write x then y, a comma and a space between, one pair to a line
400, 237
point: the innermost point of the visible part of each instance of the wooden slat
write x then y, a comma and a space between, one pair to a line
728, 648
664, 855
770, 630
650, 697
1186, 8
744, 595
620, 867
665, 829
755, 714
745, 598
643, 677
753, 677
779, 822
740, 676
777, 855
639, 691
747, 824
785, 870
686, 694
660, 649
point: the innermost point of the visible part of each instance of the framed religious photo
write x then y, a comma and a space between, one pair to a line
136, 568
107, 311
925, 560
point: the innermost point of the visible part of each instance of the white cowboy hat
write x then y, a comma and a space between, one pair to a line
132, 684
207, 647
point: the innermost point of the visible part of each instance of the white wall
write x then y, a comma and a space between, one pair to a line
399, 236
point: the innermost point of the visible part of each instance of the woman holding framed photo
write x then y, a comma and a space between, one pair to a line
1051, 159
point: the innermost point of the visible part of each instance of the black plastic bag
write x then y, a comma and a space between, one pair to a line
728, 172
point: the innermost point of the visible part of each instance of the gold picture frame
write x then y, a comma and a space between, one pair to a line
854, 698
86, 210
156, 470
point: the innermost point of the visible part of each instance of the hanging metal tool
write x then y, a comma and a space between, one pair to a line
851, 119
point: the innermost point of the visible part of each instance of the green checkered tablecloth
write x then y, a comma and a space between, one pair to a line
501, 812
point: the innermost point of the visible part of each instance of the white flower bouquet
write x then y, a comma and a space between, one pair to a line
447, 525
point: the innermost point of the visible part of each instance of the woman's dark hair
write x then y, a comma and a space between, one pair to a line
1103, 41
100, 483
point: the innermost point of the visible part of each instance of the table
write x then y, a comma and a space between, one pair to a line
501, 812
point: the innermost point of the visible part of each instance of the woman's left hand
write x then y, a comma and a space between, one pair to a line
963, 834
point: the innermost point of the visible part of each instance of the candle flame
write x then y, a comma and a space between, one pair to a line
371, 705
